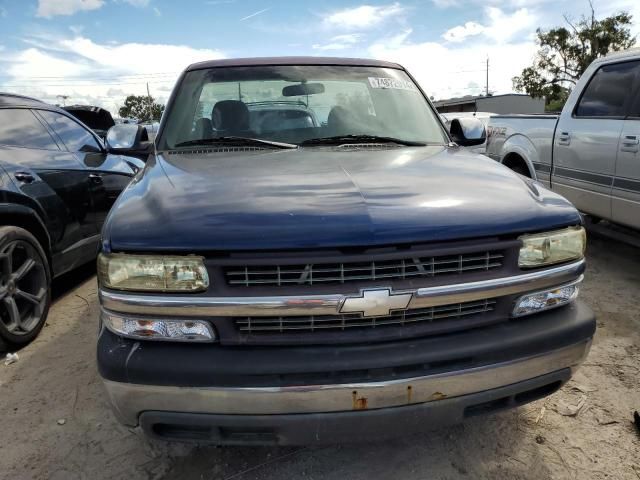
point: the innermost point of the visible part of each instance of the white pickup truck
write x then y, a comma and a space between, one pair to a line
588, 153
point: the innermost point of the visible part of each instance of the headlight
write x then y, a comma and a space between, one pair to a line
155, 273
552, 247
159, 329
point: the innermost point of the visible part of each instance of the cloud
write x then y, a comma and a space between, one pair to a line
347, 38
95, 73
446, 3
503, 26
614, 7
116, 92
76, 29
461, 32
499, 26
364, 16
51, 8
34, 62
157, 12
339, 42
137, 3
137, 57
255, 14
461, 69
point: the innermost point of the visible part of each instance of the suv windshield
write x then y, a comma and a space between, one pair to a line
299, 104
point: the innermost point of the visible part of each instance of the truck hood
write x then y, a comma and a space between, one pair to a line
326, 197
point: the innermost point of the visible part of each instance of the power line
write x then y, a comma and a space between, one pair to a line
100, 80
110, 76
95, 84
467, 71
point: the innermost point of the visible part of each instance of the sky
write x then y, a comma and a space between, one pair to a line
99, 51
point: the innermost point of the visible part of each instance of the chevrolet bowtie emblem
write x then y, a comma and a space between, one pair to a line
376, 302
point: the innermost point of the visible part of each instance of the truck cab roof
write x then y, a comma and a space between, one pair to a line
630, 53
261, 61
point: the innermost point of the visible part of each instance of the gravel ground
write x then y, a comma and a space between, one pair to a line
56, 423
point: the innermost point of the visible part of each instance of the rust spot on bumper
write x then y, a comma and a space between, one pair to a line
359, 403
438, 396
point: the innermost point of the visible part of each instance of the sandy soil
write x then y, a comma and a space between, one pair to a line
56, 423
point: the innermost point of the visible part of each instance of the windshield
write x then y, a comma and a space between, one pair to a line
297, 104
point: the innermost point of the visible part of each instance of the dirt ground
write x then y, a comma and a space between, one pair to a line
56, 423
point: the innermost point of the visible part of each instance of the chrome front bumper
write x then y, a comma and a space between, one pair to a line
131, 400
560, 352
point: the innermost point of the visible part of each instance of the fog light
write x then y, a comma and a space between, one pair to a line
545, 300
159, 329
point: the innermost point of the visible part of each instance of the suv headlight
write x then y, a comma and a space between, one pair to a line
552, 247
155, 273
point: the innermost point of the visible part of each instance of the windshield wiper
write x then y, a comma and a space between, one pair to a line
235, 141
344, 139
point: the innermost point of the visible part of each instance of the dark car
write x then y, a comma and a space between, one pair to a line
354, 277
57, 184
96, 118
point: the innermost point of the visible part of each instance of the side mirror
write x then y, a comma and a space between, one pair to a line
467, 132
128, 139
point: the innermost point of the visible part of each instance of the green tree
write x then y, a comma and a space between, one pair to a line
142, 107
564, 53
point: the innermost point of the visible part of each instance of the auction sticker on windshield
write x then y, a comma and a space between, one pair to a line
382, 82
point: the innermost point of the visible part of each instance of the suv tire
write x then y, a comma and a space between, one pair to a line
25, 286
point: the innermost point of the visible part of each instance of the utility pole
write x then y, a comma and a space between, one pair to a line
64, 99
487, 87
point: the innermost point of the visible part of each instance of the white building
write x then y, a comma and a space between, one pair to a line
502, 104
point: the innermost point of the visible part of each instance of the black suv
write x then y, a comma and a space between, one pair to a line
57, 184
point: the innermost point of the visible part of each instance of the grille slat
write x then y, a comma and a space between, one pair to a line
374, 265
342, 322
346, 278
338, 273
279, 272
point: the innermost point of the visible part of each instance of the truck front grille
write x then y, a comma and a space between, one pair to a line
349, 321
340, 273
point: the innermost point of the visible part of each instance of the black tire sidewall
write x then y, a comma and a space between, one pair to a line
9, 234
521, 169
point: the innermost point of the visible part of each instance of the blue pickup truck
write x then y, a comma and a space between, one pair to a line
310, 256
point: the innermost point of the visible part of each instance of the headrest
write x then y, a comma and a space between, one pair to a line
230, 115
339, 118
203, 128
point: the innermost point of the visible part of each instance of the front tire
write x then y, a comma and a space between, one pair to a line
25, 286
521, 169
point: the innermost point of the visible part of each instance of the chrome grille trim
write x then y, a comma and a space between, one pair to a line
347, 321
339, 273
289, 305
